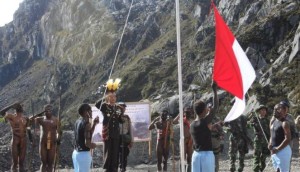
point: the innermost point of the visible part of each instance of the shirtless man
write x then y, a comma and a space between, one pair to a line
18, 125
49, 138
164, 131
188, 142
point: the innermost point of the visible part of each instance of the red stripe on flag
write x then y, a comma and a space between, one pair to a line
226, 70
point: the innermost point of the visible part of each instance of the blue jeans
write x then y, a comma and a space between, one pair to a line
203, 161
82, 161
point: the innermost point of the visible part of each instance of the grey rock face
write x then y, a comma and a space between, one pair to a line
295, 46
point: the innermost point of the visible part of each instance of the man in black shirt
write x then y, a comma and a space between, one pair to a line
203, 157
83, 131
280, 140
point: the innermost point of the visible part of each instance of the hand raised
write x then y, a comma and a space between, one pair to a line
214, 85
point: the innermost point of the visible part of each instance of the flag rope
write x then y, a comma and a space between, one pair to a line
265, 136
115, 58
259, 121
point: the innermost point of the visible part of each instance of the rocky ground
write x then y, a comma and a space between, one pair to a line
138, 161
224, 166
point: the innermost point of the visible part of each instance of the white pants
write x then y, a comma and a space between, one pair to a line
203, 161
82, 161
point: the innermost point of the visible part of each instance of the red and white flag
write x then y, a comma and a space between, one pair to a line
232, 69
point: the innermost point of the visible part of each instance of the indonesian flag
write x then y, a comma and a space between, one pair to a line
232, 69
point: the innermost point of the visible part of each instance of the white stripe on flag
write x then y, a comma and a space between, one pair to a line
236, 110
248, 76
246, 69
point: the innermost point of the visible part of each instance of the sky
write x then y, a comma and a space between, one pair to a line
7, 9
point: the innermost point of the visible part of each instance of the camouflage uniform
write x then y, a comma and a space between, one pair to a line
261, 150
297, 122
238, 142
217, 136
294, 132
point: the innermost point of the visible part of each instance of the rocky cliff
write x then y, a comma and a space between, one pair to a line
72, 44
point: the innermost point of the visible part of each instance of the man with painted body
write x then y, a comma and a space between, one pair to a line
49, 138
18, 123
163, 125
262, 135
188, 142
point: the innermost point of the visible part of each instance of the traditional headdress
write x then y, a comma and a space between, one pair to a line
112, 85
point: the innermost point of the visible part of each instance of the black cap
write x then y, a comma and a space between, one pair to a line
285, 103
122, 104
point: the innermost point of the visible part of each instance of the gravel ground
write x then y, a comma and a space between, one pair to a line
224, 164
224, 167
138, 160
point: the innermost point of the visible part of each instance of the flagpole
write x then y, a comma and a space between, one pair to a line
180, 86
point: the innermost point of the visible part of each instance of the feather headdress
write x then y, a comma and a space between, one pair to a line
112, 85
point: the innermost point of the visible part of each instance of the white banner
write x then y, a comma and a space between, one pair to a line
139, 114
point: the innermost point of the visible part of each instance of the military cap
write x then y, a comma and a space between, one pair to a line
261, 107
123, 104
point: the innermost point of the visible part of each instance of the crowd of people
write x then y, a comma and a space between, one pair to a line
203, 136
116, 133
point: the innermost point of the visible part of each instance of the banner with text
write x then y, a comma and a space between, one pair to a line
139, 114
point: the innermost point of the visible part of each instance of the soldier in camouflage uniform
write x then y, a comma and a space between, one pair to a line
262, 135
238, 141
217, 137
297, 122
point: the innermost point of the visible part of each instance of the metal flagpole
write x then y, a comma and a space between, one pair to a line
180, 87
